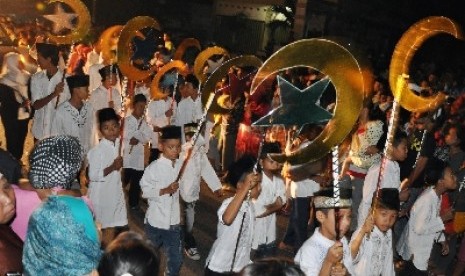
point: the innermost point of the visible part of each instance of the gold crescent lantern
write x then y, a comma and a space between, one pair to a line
155, 92
106, 43
124, 51
404, 51
83, 22
186, 43
350, 75
202, 57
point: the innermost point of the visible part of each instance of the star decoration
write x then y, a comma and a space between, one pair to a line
144, 48
61, 19
212, 65
298, 107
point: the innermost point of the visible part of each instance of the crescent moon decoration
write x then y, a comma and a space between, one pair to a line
106, 42
186, 43
155, 91
83, 22
202, 57
220, 72
124, 50
404, 51
350, 75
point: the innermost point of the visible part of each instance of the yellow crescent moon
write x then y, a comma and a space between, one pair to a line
155, 92
351, 77
404, 51
105, 42
219, 73
202, 57
83, 24
186, 43
124, 51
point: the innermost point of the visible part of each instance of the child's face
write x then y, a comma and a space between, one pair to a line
451, 138
188, 137
138, 109
327, 222
384, 219
449, 179
270, 166
81, 92
110, 80
170, 148
399, 152
110, 130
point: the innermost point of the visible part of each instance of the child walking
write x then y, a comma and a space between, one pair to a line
160, 188
230, 252
322, 254
426, 225
371, 244
105, 188
270, 200
136, 133
197, 167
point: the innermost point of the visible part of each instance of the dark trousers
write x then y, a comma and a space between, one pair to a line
411, 270
209, 272
296, 232
132, 178
15, 135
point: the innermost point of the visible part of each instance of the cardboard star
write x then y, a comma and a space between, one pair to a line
212, 65
61, 19
298, 107
145, 47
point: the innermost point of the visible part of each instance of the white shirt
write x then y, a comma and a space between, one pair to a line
77, 123
375, 255
423, 228
100, 97
222, 252
41, 87
188, 111
265, 228
313, 252
391, 179
144, 90
163, 210
156, 116
139, 129
106, 192
198, 166
95, 79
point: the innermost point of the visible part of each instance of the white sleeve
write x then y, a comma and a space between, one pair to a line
307, 261
423, 221
149, 184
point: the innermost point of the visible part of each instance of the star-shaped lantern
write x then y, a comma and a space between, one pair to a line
298, 107
61, 19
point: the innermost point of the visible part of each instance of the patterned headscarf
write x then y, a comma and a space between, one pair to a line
61, 239
55, 162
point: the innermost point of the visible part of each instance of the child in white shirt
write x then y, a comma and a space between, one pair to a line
159, 186
371, 245
322, 254
270, 200
136, 133
105, 188
230, 252
198, 166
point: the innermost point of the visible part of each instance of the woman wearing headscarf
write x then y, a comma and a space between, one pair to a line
14, 102
62, 239
54, 164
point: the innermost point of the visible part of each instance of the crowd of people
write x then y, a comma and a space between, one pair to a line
400, 210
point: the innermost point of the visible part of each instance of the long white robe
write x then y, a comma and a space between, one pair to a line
156, 116
375, 256
423, 228
106, 192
